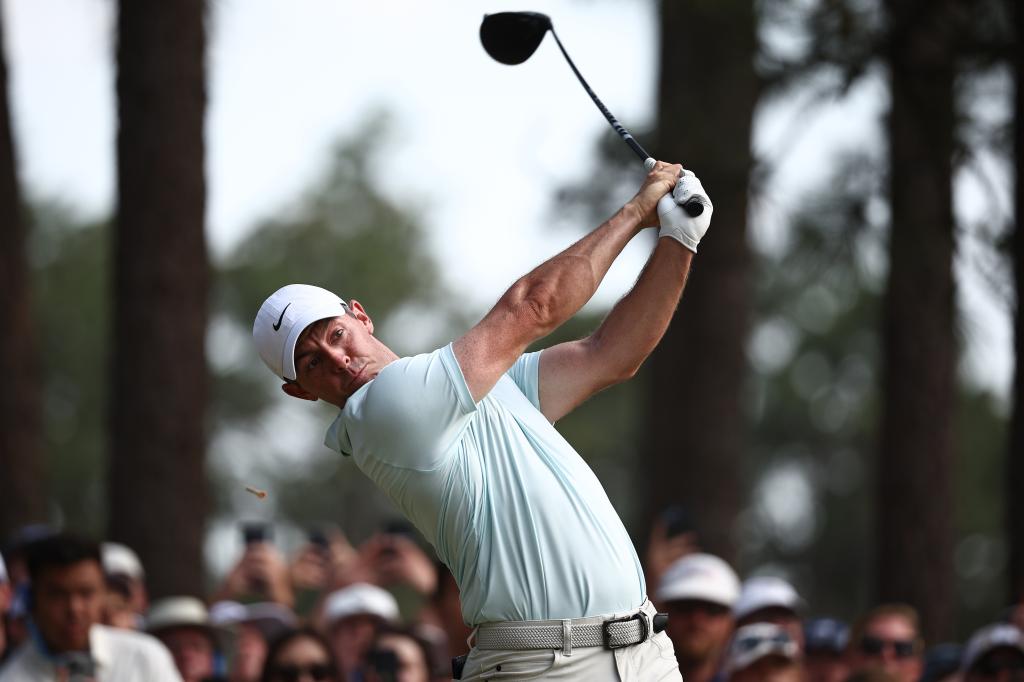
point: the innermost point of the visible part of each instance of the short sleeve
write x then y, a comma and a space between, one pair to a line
409, 416
526, 375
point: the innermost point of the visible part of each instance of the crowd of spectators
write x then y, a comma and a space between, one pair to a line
386, 612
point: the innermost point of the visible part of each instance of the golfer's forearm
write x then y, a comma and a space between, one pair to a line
559, 287
636, 324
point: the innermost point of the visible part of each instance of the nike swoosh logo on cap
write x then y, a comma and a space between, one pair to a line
278, 325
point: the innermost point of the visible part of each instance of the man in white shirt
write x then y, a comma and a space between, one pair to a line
67, 641
462, 440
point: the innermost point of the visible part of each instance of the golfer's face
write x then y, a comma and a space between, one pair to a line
336, 359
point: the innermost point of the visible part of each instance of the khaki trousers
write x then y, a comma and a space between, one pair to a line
649, 661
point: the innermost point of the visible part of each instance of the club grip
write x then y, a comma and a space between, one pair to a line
693, 208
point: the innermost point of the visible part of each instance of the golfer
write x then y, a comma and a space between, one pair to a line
462, 440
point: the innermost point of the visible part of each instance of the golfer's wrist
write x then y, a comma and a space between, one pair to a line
634, 214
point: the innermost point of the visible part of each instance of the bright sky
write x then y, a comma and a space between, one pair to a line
479, 146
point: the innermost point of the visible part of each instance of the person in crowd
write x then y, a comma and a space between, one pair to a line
351, 617
253, 626
117, 607
698, 591
5, 606
260, 575
673, 536
198, 648
824, 649
888, 638
15, 621
995, 653
128, 599
68, 640
942, 663
398, 655
770, 599
444, 610
763, 652
302, 655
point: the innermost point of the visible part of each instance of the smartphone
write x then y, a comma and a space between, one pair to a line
677, 521
317, 536
254, 531
385, 663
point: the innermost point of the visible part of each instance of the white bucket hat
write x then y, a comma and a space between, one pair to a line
283, 317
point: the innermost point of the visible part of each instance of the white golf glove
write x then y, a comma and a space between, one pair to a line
675, 221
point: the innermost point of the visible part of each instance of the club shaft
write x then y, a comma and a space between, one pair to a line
626, 136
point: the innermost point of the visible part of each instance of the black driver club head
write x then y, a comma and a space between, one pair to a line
512, 37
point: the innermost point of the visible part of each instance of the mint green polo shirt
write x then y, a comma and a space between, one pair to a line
514, 511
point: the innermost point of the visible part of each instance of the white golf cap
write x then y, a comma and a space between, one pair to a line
120, 559
700, 576
360, 599
989, 638
283, 317
753, 642
766, 592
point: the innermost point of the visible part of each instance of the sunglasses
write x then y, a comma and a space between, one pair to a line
293, 673
876, 646
752, 642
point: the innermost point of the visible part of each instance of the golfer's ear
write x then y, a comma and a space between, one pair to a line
296, 391
360, 314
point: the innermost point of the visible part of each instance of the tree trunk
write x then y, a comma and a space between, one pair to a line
1015, 457
707, 90
22, 499
913, 471
158, 497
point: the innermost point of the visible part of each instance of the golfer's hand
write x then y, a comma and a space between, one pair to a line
676, 222
658, 183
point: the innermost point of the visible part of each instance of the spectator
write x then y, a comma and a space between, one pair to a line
5, 606
197, 647
767, 599
67, 593
763, 652
444, 611
698, 592
995, 653
824, 646
673, 536
398, 655
260, 575
15, 622
298, 656
254, 627
942, 663
126, 581
351, 617
888, 638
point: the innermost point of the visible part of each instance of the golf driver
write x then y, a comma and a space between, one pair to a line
512, 38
